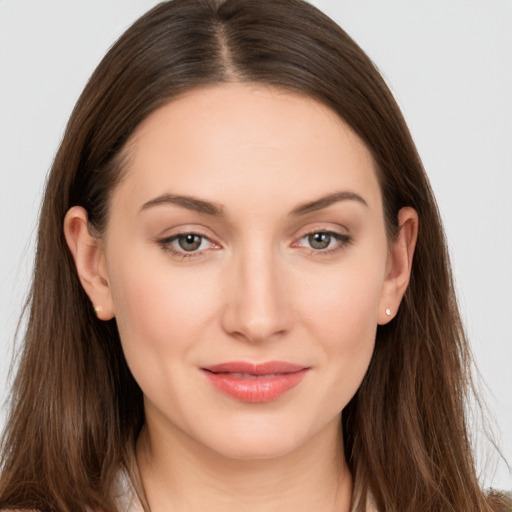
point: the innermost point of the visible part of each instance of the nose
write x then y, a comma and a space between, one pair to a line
257, 307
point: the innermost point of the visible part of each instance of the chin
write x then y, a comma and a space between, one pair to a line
255, 449
255, 440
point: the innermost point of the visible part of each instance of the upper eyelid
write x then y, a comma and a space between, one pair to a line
322, 230
199, 231
183, 233
340, 231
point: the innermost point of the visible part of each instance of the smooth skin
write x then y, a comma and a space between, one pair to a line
248, 226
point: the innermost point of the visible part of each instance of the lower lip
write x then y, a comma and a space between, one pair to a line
258, 389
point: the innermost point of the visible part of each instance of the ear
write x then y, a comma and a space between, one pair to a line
87, 252
398, 271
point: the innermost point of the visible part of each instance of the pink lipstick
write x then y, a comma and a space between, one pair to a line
255, 383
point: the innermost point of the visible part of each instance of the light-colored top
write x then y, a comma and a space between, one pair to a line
127, 499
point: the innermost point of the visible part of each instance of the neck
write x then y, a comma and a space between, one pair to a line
179, 474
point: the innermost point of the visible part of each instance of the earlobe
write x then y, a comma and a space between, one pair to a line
399, 266
89, 258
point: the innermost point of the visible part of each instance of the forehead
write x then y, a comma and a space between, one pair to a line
249, 141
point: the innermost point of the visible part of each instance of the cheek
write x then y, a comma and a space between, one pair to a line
157, 305
342, 319
343, 308
163, 315
350, 327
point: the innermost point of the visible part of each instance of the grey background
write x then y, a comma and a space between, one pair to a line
449, 65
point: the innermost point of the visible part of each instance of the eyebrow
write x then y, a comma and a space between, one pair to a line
325, 201
202, 206
188, 202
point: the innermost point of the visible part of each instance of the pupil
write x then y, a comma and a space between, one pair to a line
189, 242
319, 240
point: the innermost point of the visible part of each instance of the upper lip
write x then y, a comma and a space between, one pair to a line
267, 368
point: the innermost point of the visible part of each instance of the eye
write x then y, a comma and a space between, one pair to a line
186, 244
320, 241
324, 241
189, 242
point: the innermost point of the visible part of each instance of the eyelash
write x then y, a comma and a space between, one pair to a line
165, 244
342, 241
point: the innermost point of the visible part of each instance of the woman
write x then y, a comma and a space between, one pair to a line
233, 303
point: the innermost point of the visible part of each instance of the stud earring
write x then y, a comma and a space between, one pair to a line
97, 310
388, 312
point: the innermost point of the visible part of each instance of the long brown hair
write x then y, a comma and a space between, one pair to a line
76, 410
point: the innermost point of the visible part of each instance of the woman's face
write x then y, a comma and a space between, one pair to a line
247, 267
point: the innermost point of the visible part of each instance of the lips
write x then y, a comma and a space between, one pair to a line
255, 383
